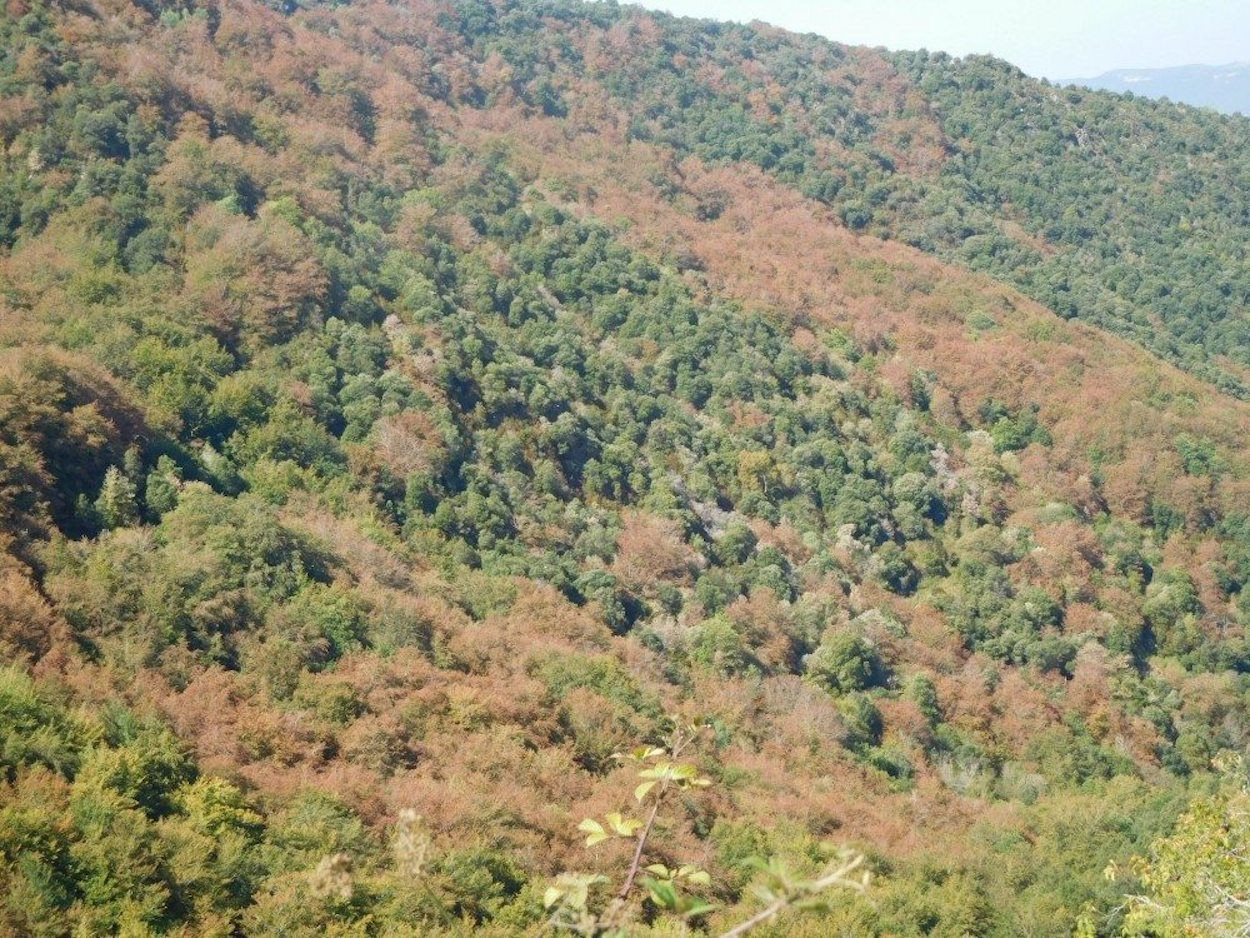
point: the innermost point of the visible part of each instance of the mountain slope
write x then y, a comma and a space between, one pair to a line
405, 408
1223, 87
1131, 214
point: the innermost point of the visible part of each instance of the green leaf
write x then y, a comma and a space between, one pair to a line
700, 908
663, 893
572, 889
594, 832
641, 791
622, 826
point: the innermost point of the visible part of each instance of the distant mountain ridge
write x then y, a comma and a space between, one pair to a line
1224, 87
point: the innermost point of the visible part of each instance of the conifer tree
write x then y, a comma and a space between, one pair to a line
117, 505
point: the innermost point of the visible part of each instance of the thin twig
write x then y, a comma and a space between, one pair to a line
677, 743
638, 848
759, 918
837, 877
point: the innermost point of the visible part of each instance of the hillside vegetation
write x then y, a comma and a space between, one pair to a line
407, 409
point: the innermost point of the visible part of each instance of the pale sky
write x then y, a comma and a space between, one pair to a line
1047, 38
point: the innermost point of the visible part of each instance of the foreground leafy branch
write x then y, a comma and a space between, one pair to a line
673, 891
781, 890
1197, 878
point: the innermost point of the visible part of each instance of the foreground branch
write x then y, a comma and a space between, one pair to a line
839, 877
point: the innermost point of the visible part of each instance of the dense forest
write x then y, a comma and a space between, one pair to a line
429, 429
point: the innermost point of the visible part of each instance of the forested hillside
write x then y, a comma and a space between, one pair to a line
1132, 214
407, 409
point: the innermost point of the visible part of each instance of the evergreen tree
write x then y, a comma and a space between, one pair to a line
117, 505
160, 490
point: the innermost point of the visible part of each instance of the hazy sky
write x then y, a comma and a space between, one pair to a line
1046, 38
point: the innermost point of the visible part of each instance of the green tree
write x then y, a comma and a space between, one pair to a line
844, 662
160, 491
117, 504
